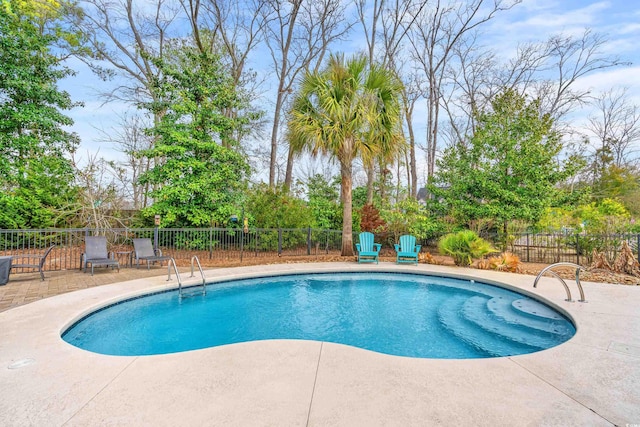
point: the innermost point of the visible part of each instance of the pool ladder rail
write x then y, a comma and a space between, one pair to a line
557, 276
194, 259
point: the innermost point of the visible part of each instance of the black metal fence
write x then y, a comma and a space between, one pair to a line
563, 247
235, 244
207, 243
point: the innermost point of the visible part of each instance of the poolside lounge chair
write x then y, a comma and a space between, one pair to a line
368, 251
33, 261
407, 250
96, 254
143, 251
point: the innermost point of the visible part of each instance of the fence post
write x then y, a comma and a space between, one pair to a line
279, 241
577, 249
241, 244
528, 258
309, 241
155, 238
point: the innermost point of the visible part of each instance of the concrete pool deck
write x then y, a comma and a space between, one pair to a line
593, 379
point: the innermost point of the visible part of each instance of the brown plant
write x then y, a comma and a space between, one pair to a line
370, 218
506, 261
625, 262
599, 261
426, 257
484, 264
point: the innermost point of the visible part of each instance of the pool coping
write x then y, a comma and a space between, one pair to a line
591, 379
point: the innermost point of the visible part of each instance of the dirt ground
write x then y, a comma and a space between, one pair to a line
525, 268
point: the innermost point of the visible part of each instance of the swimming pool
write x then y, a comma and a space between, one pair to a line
393, 313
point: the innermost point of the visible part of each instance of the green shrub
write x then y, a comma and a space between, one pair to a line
271, 208
464, 246
410, 217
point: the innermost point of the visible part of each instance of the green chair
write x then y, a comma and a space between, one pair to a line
407, 250
368, 251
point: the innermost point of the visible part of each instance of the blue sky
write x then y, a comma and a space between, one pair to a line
532, 20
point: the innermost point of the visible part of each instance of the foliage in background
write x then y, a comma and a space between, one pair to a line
464, 247
35, 175
606, 216
324, 202
555, 219
410, 217
277, 209
200, 179
508, 170
602, 217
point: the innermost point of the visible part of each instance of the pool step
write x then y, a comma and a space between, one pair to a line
505, 309
475, 310
451, 318
536, 309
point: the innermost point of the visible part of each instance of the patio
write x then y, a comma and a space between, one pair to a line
590, 380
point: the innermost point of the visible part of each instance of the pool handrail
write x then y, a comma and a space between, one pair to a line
570, 264
204, 281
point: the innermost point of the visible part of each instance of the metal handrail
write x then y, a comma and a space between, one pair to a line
204, 281
569, 264
175, 268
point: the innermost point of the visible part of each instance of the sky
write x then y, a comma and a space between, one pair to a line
532, 20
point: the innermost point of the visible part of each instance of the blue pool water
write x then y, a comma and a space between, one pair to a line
399, 314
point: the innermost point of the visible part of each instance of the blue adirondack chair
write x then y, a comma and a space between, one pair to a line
367, 250
407, 250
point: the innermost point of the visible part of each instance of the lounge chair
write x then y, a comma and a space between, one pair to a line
96, 254
143, 251
407, 250
33, 261
368, 251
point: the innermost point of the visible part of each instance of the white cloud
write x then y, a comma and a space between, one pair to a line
552, 17
619, 77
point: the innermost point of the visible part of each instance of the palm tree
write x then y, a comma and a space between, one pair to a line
345, 110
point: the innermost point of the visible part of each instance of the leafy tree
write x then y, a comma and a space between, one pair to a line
346, 110
620, 182
605, 216
199, 180
277, 209
508, 170
410, 217
324, 202
35, 175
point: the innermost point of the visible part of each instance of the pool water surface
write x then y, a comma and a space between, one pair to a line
393, 313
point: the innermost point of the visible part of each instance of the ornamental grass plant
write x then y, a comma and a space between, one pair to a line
464, 247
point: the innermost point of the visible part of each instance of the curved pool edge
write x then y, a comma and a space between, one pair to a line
512, 343
309, 269
342, 383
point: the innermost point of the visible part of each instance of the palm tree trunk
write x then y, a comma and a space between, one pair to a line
347, 208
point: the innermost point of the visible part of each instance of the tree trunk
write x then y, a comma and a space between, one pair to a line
274, 139
413, 185
288, 178
347, 208
505, 230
